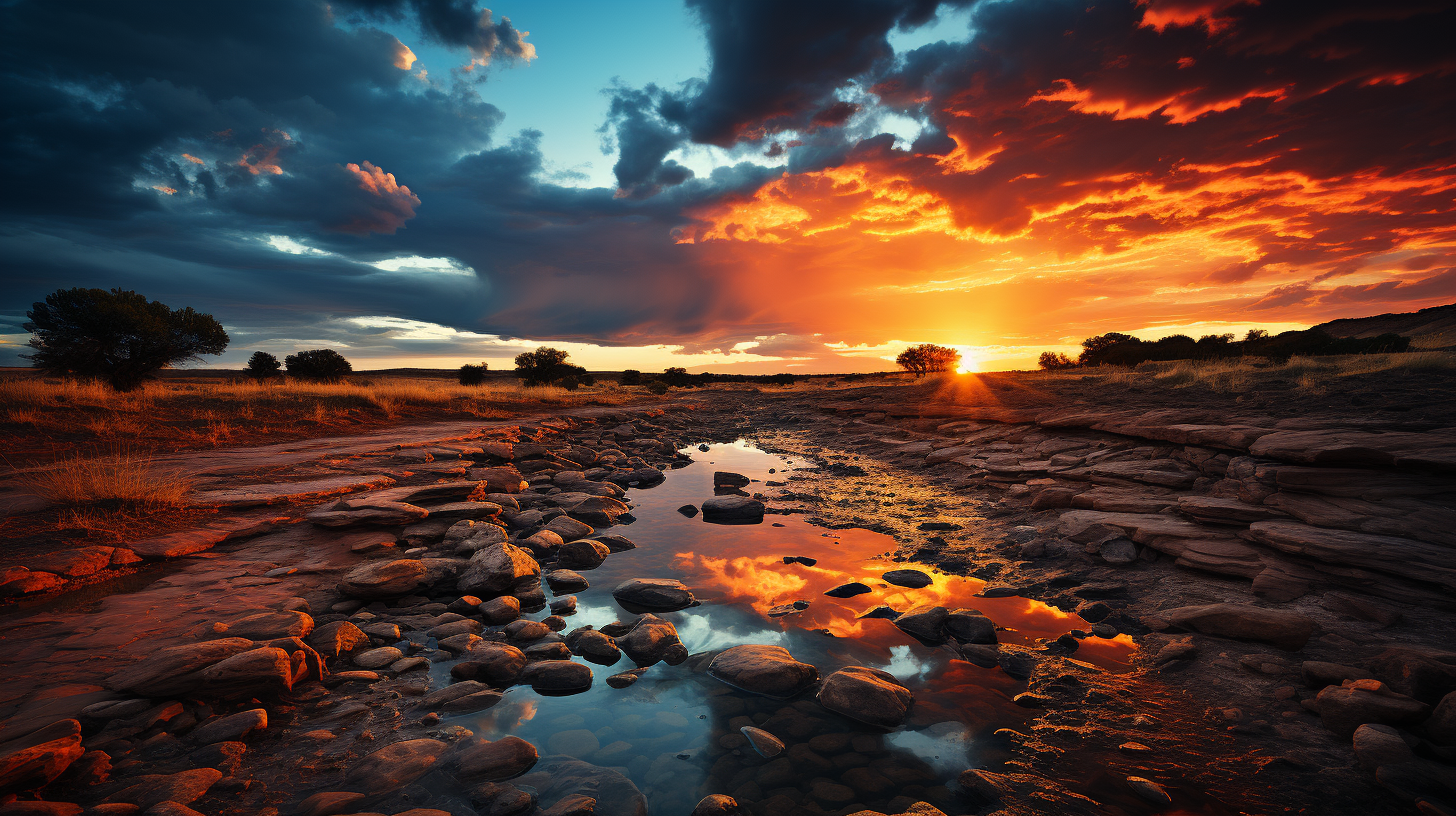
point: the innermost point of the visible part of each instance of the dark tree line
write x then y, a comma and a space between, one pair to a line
1115, 348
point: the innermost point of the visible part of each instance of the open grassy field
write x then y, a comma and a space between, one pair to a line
45, 419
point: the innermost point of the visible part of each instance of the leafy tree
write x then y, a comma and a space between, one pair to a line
118, 336
1054, 361
928, 358
631, 377
677, 377
473, 374
263, 366
317, 365
546, 365
1095, 349
1256, 334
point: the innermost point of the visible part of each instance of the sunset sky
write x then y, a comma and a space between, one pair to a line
751, 186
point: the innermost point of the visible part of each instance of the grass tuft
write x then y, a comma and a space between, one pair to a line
120, 480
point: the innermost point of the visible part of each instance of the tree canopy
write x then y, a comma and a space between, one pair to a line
547, 365
473, 374
318, 365
262, 366
117, 336
928, 358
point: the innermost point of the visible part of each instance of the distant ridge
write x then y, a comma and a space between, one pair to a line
1433, 328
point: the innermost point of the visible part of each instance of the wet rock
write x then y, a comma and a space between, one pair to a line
584, 554
469, 695
557, 777
544, 543
18, 581
378, 658
385, 579
230, 728
35, 759
1425, 674
394, 766
616, 543
329, 803
470, 536
912, 578
651, 640
564, 605
564, 580
1441, 727
739, 509
337, 638
765, 744
624, 679
365, 511
1344, 708
848, 590
1118, 551
926, 623
500, 611
254, 673
550, 650
1281, 628
970, 626
569, 528
767, 670
270, 625
594, 646
498, 479
984, 787
525, 631
871, 696
1183, 648
987, 657
1018, 664
653, 595
499, 569
599, 511
183, 788
506, 758
1377, 745
175, 670
883, 612
1419, 781
1149, 791
572, 805
453, 628
718, 804
498, 664
557, 676
723, 478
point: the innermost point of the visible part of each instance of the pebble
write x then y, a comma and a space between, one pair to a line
1149, 790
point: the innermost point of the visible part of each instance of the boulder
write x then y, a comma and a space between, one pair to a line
498, 479
733, 509
22, 581
364, 511
270, 625
927, 623
557, 676
385, 579
337, 638
1425, 674
583, 554
543, 542
76, 563
767, 670
869, 695
175, 670
465, 696
912, 578
506, 758
599, 511
718, 804
564, 580
594, 646
394, 766
183, 788
499, 569
469, 536
848, 590
1441, 727
1377, 745
970, 626
500, 611
35, 759
498, 664
1344, 708
653, 595
230, 728
723, 478
652, 639
1277, 627
254, 673
568, 528
616, 543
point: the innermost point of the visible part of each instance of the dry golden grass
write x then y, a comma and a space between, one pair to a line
43, 419
115, 481
1311, 374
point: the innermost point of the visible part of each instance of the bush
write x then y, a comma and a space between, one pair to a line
657, 387
263, 366
928, 358
1124, 350
631, 377
1054, 361
317, 365
545, 366
117, 336
473, 374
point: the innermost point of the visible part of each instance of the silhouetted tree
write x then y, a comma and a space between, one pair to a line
547, 365
263, 366
1055, 361
118, 336
928, 358
473, 374
677, 377
1094, 349
317, 365
1256, 334
631, 377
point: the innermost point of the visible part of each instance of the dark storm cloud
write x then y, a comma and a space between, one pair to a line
454, 22
774, 67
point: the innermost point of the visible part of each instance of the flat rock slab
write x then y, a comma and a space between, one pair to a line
257, 495
1405, 557
187, 542
1434, 450
1278, 627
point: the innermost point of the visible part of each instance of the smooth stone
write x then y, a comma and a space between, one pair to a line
615, 543
594, 646
1377, 745
912, 578
556, 778
767, 670
767, 745
1284, 629
500, 611
651, 640
230, 728
926, 623
733, 508
653, 594
584, 554
848, 590
377, 658
970, 626
1344, 708
1149, 790
624, 679
557, 676
565, 580
184, 788
498, 569
871, 696
498, 664
505, 758
176, 669
394, 766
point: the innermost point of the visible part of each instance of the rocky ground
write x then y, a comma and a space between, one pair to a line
1288, 581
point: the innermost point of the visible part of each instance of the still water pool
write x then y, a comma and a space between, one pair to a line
675, 733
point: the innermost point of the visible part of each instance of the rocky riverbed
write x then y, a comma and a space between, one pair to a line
749, 603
